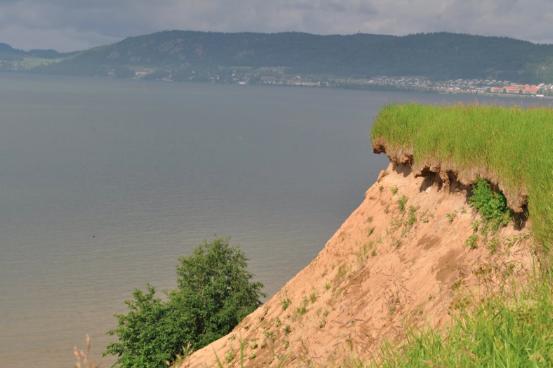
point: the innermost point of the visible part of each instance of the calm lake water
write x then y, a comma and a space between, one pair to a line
104, 184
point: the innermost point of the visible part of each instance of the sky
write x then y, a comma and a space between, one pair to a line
68, 25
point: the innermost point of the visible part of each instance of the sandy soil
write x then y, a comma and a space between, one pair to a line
400, 260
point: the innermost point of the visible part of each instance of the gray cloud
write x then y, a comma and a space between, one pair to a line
75, 24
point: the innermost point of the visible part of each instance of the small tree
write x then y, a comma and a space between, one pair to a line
214, 292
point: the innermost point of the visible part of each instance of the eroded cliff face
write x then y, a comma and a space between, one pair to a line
400, 260
451, 174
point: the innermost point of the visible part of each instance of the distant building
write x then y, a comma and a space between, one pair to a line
531, 89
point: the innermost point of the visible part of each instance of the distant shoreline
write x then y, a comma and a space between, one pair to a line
307, 86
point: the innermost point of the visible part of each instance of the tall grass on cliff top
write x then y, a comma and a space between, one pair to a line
514, 143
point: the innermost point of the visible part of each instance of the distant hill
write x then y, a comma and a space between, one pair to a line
6, 51
12, 59
433, 55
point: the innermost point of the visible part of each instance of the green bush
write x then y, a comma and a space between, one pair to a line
491, 205
214, 292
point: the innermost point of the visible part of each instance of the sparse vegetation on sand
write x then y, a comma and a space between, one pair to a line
512, 143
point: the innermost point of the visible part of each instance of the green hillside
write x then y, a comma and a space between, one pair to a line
12, 59
434, 55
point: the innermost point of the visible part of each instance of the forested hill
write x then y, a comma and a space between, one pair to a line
433, 55
8, 52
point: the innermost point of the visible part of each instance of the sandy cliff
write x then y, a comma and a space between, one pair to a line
400, 260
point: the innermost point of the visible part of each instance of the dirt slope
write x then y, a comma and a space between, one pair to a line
400, 260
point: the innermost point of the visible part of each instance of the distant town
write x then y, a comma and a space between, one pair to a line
280, 77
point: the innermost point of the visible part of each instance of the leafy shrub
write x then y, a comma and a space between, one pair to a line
490, 204
214, 292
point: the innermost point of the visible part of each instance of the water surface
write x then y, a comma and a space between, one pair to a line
104, 184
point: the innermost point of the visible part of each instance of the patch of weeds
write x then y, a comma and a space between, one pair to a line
285, 303
472, 241
278, 322
287, 330
393, 303
394, 190
484, 272
451, 217
410, 221
302, 309
401, 203
395, 224
396, 243
475, 226
411, 216
313, 297
363, 253
322, 323
491, 205
328, 285
342, 272
229, 356
425, 217
486, 228
493, 245
461, 302
517, 239
457, 285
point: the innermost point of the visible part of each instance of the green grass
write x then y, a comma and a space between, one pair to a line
401, 203
501, 332
513, 143
472, 241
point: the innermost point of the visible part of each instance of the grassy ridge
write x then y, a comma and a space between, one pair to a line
514, 143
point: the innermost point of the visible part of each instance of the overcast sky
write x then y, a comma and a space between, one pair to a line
76, 24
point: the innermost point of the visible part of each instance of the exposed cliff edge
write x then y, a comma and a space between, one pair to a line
448, 173
400, 260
